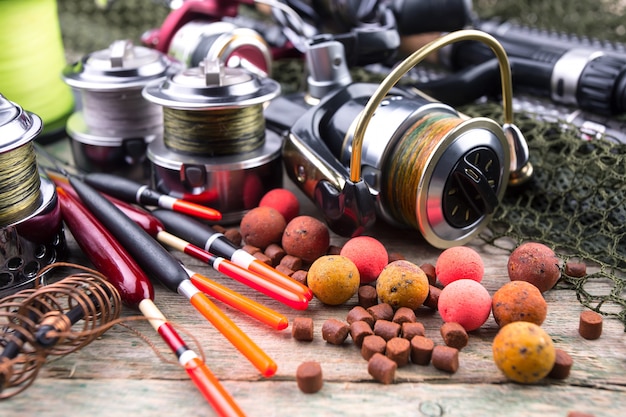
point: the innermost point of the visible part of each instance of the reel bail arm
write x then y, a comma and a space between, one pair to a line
521, 170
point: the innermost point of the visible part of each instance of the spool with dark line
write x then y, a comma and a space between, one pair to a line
215, 148
31, 228
115, 123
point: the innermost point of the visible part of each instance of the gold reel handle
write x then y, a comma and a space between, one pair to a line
519, 153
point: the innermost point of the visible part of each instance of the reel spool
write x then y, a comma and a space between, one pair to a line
31, 228
112, 130
215, 149
368, 150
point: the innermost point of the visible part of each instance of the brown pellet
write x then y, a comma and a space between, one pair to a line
335, 331
382, 311
579, 414
404, 315
382, 369
562, 365
430, 271
590, 325
284, 270
421, 350
395, 256
251, 249
445, 358
302, 329
358, 331
575, 269
219, 228
275, 252
292, 262
398, 350
367, 296
263, 258
333, 250
233, 235
372, 344
432, 300
454, 335
410, 330
358, 313
300, 276
309, 377
386, 329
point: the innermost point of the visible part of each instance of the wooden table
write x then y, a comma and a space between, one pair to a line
119, 374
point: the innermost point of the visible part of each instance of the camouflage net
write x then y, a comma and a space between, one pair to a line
576, 202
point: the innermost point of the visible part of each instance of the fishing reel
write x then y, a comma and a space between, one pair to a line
368, 150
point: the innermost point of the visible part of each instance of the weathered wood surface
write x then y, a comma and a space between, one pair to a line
119, 374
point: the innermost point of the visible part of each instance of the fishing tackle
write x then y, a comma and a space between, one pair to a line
215, 147
135, 290
203, 236
197, 29
114, 125
159, 263
31, 59
31, 227
363, 151
55, 319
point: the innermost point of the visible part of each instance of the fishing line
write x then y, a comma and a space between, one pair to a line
19, 184
31, 60
214, 132
412, 156
122, 113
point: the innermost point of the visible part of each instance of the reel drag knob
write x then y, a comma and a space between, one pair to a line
469, 191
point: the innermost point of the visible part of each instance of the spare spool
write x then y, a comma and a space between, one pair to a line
115, 124
215, 149
31, 228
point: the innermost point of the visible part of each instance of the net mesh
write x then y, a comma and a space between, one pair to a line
575, 202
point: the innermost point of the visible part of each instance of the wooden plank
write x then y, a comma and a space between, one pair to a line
139, 398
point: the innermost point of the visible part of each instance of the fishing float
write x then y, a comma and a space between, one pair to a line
205, 237
156, 261
136, 291
153, 227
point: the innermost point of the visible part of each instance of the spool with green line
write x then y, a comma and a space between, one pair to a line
31, 60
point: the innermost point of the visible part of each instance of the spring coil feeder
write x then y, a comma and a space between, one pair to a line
370, 150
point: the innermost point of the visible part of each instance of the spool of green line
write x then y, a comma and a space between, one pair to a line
32, 59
